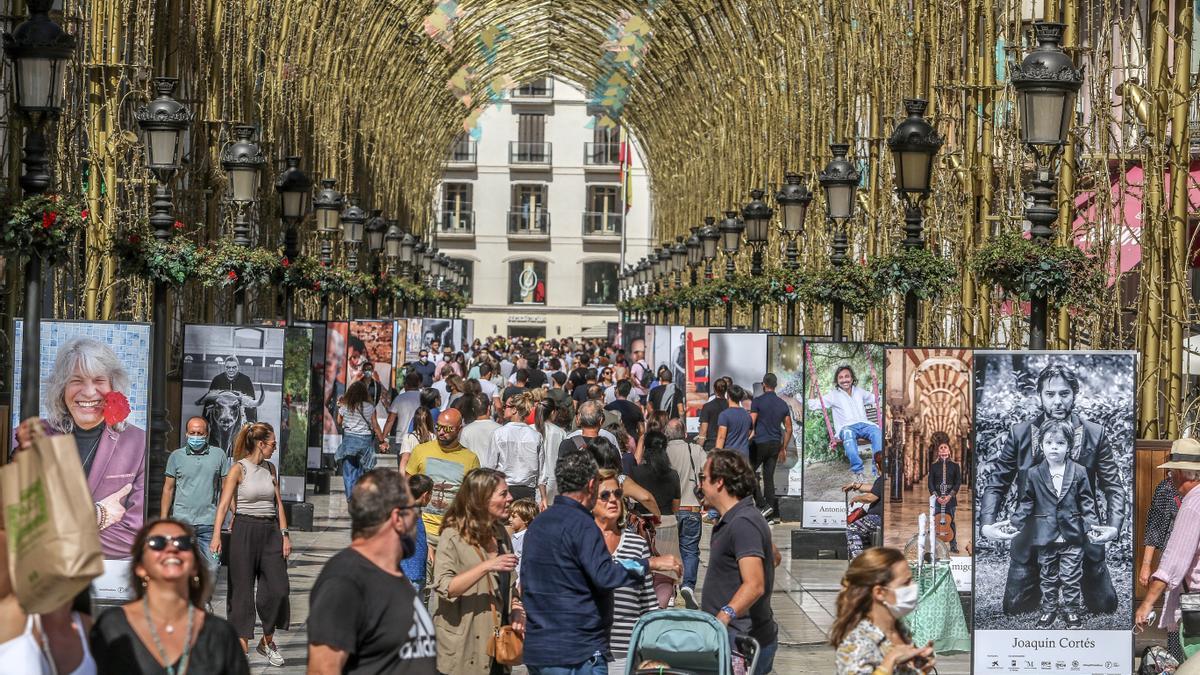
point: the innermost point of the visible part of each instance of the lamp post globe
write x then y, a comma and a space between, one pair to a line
731, 234
757, 217
242, 159
294, 187
407, 245
914, 144
392, 241
376, 230
1047, 83
327, 205
39, 49
793, 199
695, 250
710, 236
354, 220
839, 180
163, 122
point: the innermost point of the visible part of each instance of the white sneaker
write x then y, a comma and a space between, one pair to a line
689, 598
271, 653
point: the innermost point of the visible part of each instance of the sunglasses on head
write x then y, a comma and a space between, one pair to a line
605, 495
159, 542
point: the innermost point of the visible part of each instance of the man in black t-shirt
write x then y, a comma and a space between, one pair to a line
578, 374
580, 392
666, 397
522, 385
365, 617
710, 412
631, 414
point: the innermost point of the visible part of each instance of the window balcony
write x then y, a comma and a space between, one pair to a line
602, 156
529, 225
599, 226
457, 225
541, 91
530, 155
463, 155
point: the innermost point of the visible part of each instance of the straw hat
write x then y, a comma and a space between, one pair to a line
1185, 454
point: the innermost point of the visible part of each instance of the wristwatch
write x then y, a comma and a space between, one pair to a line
284, 532
729, 610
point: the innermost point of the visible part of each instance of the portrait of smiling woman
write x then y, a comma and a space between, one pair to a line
86, 395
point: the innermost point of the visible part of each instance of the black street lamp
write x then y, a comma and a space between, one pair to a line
376, 229
679, 259
757, 216
392, 242
294, 188
643, 273
327, 205
354, 221
914, 143
163, 122
793, 199
1047, 82
709, 236
38, 49
731, 240
839, 180
242, 160
695, 251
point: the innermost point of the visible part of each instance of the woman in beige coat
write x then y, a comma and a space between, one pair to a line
473, 577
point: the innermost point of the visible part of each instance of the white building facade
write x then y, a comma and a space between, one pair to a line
534, 212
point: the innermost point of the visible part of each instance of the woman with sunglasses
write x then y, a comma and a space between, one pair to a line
473, 576
165, 629
629, 602
258, 540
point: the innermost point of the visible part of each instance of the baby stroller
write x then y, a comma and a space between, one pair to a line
691, 642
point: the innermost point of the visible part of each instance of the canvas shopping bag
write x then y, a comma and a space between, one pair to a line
53, 543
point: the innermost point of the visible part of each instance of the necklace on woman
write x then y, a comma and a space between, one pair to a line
187, 639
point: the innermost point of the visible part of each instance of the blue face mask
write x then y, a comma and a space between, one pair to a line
197, 442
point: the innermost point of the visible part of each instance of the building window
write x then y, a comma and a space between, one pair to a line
531, 146
602, 214
468, 271
600, 283
539, 88
457, 214
526, 282
527, 213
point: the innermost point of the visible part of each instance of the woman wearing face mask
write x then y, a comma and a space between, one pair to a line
877, 591
473, 576
258, 540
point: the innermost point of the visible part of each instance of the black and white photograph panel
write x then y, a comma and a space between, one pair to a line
232, 375
1054, 487
741, 357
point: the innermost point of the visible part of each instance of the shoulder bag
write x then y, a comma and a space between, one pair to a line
504, 645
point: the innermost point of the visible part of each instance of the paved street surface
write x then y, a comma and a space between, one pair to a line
804, 599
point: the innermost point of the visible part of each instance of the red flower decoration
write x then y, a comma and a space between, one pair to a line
232, 275
135, 239
48, 218
83, 214
789, 288
317, 286
179, 224
285, 262
116, 407
724, 298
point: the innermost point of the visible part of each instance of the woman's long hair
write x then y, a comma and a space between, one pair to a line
870, 569
87, 356
454, 383
250, 435
543, 413
356, 395
199, 581
655, 456
469, 513
423, 424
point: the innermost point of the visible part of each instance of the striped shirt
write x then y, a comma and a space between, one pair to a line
1179, 567
630, 602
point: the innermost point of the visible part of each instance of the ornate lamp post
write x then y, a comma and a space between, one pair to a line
353, 230
38, 49
643, 272
694, 257
664, 277
408, 245
793, 199
914, 143
679, 259
391, 249
294, 188
731, 240
427, 275
376, 229
757, 216
1047, 82
242, 160
163, 122
709, 236
839, 180
328, 206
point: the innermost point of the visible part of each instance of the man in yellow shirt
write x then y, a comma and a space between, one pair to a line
445, 461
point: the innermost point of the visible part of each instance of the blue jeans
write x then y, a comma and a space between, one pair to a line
850, 435
689, 545
766, 658
204, 534
357, 455
593, 666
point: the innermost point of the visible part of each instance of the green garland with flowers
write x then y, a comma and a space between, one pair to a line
404, 289
304, 272
856, 286
141, 254
1023, 268
227, 264
929, 275
43, 225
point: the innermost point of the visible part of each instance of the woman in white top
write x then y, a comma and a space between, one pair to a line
258, 540
422, 432
360, 432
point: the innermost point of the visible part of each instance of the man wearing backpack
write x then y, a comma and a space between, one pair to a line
687, 459
640, 374
665, 397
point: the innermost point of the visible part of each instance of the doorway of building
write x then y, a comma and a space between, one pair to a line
527, 331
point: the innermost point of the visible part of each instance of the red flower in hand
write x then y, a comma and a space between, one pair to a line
116, 407
232, 275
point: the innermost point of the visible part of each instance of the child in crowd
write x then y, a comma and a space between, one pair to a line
1058, 504
415, 565
520, 514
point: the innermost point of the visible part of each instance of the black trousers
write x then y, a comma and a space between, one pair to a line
765, 456
256, 555
522, 492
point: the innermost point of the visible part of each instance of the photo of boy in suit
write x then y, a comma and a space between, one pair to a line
1059, 499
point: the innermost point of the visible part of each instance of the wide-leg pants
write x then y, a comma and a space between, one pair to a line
256, 555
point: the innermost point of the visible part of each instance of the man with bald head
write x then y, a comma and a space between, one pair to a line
445, 461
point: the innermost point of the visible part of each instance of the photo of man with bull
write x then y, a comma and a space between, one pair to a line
232, 376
